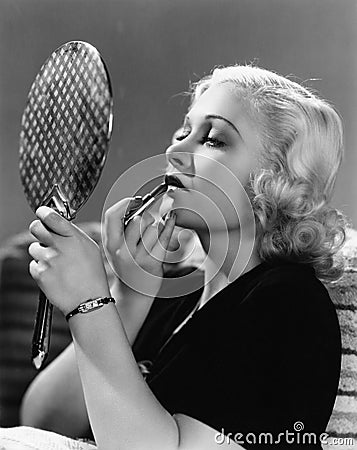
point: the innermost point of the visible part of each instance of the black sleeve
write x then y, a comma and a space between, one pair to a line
276, 363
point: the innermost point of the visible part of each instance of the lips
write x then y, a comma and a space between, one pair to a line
172, 180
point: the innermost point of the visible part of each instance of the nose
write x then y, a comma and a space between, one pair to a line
180, 157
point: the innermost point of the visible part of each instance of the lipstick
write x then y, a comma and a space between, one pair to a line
169, 182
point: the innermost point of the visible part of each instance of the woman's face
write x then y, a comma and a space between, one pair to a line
213, 155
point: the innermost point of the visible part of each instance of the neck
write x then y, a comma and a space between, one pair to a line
228, 256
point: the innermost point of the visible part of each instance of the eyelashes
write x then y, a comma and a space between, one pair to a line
180, 135
213, 142
209, 141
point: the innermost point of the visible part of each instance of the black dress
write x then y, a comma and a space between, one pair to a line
261, 356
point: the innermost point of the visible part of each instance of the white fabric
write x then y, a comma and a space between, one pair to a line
26, 438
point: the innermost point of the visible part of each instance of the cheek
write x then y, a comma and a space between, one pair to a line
217, 195
221, 198
222, 182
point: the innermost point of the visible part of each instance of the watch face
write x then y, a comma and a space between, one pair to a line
90, 305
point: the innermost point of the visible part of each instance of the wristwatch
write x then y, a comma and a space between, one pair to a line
90, 305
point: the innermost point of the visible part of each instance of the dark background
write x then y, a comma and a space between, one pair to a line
153, 48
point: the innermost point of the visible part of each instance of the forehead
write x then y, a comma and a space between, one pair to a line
224, 100
220, 99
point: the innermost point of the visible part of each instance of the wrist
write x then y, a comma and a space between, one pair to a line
100, 319
90, 305
84, 296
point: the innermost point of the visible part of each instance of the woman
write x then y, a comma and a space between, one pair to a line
258, 157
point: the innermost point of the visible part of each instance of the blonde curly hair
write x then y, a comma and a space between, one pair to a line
302, 140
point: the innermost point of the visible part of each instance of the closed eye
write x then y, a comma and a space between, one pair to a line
180, 134
209, 141
213, 142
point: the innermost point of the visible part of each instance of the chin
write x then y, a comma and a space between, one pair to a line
196, 214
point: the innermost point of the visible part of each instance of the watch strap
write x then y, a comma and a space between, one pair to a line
90, 305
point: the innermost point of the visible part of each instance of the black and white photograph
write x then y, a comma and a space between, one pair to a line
178, 224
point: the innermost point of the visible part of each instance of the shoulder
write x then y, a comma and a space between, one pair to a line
289, 284
288, 311
285, 297
288, 273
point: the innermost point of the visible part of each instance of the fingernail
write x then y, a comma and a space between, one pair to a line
171, 215
135, 201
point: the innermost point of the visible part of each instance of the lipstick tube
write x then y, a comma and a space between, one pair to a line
147, 201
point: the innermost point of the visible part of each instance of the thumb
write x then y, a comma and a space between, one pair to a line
54, 221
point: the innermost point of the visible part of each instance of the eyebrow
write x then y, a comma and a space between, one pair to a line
215, 116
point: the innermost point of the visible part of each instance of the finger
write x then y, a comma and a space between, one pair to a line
134, 204
112, 231
135, 231
174, 242
146, 224
54, 221
148, 239
37, 269
40, 232
36, 251
161, 225
160, 248
132, 235
180, 236
33, 269
147, 220
162, 221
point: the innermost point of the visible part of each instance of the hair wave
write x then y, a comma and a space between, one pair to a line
302, 149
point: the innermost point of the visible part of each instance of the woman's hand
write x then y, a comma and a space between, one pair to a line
67, 264
137, 253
